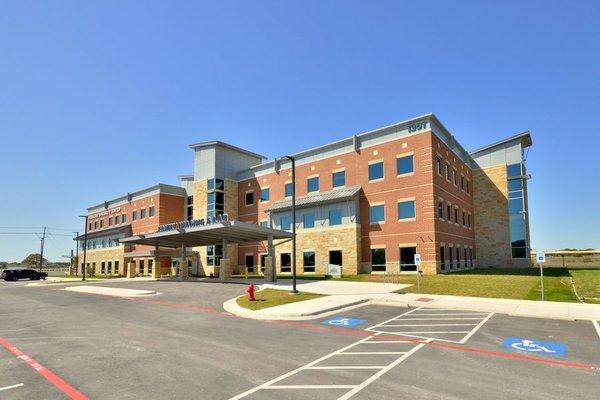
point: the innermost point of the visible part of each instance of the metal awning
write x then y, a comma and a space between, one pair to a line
117, 230
205, 235
313, 199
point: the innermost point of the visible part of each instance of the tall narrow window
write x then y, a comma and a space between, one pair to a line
151, 211
289, 189
286, 262
308, 220
308, 258
312, 184
438, 161
440, 209
286, 223
265, 194
378, 260
142, 213
377, 214
249, 198
442, 257
335, 217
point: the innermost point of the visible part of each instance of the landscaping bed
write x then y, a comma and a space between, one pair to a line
273, 297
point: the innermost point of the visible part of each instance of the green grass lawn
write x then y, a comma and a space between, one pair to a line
273, 297
503, 283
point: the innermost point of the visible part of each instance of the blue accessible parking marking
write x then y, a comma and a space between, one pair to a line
536, 346
343, 322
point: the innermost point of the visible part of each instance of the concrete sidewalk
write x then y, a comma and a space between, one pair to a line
520, 308
345, 295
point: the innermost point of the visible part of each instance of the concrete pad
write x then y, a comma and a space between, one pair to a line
338, 287
108, 291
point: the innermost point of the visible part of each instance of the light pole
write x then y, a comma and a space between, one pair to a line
84, 244
293, 160
77, 252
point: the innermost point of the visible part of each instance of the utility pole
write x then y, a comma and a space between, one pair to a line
77, 252
42, 250
293, 160
84, 244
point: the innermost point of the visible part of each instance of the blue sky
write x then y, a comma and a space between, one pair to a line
100, 99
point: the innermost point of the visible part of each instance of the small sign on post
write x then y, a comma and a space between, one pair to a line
540, 257
418, 264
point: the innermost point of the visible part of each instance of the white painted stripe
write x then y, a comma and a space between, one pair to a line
392, 319
387, 341
293, 372
396, 325
377, 375
347, 367
357, 353
439, 319
463, 332
476, 328
597, 326
311, 387
482, 314
12, 386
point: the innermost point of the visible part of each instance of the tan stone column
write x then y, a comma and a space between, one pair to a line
156, 271
268, 274
130, 269
183, 266
224, 269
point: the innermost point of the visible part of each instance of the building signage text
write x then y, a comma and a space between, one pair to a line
194, 223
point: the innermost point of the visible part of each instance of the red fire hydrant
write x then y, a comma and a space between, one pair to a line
250, 291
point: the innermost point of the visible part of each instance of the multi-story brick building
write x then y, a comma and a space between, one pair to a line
368, 203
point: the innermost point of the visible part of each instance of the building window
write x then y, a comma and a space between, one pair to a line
124, 218
468, 190
285, 223
442, 257
264, 194
407, 258
151, 211
102, 268
469, 221
141, 264
110, 221
215, 197
143, 213
90, 226
264, 224
117, 219
101, 223
286, 262
406, 209
462, 182
465, 258
377, 214
464, 219
438, 162
312, 184
378, 260
249, 198
449, 212
440, 209
189, 210
405, 165
376, 171
309, 261
448, 172
335, 257
134, 215
516, 210
308, 220
116, 267
456, 215
338, 179
454, 177
289, 189
150, 265
335, 217
214, 255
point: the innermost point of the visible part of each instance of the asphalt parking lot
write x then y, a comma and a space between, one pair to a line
181, 344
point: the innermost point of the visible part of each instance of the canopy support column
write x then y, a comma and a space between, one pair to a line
183, 265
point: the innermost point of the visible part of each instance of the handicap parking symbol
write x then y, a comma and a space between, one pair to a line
343, 322
540, 347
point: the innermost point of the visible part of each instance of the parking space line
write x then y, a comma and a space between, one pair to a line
50, 376
12, 386
450, 314
440, 319
597, 326
357, 353
347, 367
397, 326
389, 341
311, 387
476, 329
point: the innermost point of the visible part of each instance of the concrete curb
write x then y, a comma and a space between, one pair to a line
232, 307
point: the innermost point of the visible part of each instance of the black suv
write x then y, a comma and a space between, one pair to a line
16, 274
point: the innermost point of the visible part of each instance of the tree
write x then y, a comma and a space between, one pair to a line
33, 259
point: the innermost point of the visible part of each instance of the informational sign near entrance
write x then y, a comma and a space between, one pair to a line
541, 257
417, 260
343, 322
193, 223
540, 347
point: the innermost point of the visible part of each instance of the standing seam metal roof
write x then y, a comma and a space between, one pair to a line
318, 198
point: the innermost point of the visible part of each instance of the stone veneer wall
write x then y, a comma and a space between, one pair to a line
321, 240
492, 231
106, 254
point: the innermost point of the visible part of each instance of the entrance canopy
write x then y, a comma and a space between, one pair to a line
206, 235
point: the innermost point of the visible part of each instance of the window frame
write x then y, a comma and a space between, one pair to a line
401, 157
373, 164
414, 209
